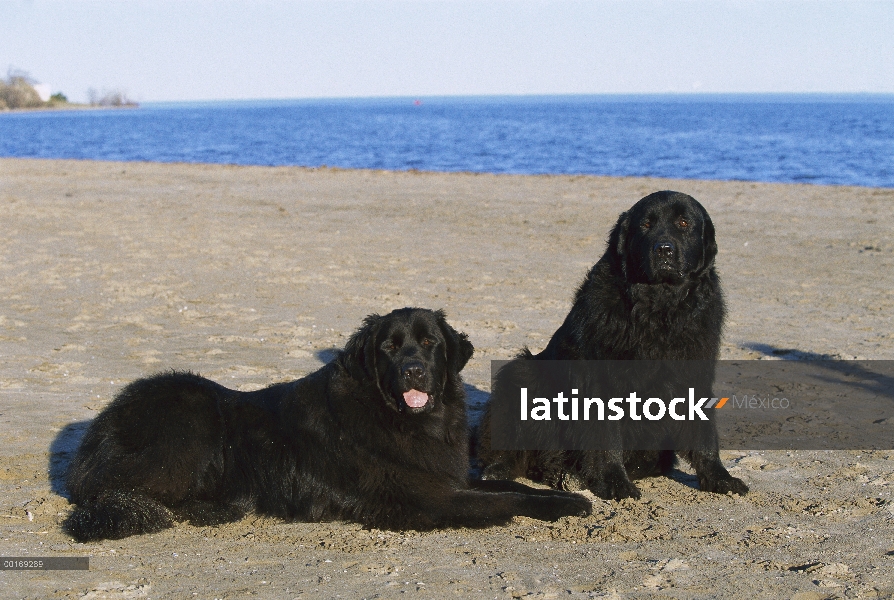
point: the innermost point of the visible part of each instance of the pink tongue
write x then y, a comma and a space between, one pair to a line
415, 398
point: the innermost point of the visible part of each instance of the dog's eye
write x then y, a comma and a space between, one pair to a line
389, 345
647, 224
427, 342
683, 222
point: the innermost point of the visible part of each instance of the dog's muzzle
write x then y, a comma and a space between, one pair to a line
413, 377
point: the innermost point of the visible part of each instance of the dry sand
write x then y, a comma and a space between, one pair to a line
111, 271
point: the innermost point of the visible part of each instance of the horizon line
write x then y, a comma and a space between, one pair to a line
618, 95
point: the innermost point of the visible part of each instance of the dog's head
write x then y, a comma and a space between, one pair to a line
667, 237
412, 354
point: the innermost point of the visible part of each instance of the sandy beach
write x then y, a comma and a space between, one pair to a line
249, 276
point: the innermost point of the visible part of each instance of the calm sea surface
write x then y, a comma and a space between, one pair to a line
813, 139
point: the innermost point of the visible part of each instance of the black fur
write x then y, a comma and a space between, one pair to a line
654, 295
341, 443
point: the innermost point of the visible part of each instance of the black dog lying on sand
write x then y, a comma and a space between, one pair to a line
378, 436
653, 296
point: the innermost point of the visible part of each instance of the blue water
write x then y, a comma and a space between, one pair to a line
809, 138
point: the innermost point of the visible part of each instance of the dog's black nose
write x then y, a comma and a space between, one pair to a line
413, 370
664, 249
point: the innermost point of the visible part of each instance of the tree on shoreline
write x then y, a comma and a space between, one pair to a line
114, 98
17, 91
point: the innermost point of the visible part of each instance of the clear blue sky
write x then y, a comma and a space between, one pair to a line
235, 49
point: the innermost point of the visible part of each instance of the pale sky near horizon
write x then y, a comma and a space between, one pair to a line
160, 50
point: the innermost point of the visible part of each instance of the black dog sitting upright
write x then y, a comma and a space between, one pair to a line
653, 296
378, 436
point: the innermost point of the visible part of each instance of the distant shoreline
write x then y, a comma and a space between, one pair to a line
65, 107
749, 97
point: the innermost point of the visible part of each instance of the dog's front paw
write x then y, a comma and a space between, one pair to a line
724, 486
613, 484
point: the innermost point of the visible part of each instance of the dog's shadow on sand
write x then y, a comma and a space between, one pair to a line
62, 450
786, 353
688, 479
872, 377
327, 355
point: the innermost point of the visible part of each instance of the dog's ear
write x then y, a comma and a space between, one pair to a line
617, 242
459, 348
359, 355
709, 243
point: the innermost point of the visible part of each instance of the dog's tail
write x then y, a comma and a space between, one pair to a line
117, 514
